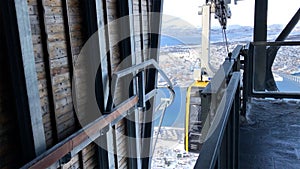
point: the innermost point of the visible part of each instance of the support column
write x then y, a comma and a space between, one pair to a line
205, 39
260, 35
151, 79
94, 20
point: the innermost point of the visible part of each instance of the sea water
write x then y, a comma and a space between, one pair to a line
175, 113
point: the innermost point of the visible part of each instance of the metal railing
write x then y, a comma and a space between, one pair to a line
258, 76
220, 150
293, 78
62, 152
220, 111
249, 75
222, 100
213, 93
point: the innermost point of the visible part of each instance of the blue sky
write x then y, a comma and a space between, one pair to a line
242, 13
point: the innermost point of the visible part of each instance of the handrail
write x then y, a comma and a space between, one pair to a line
138, 67
292, 77
249, 74
70, 143
277, 43
211, 96
74, 143
209, 151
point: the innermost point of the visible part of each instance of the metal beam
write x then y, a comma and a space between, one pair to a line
103, 43
126, 47
90, 17
248, 78
134, 129
141, 29
72, 142
236, 129
93, 15
272, 51
277, 43
260, 35
132, 141
289, 27
260, 20
151, 79
249, 75
125, 44
205, 39
30, 76
19, 46
277, 95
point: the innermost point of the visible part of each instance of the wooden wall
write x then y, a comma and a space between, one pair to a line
40, 68
58, 34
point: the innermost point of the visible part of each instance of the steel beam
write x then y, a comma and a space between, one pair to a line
105, 60
132, 142
30, 74
69, 144
128, 58
272, 51
249, 75
92, 11
236, 129
142, 30
19, 46
205, 39
136, 145
151, 79
125, 44
277, 95
260, 35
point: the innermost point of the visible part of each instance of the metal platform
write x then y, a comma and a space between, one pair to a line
271, 137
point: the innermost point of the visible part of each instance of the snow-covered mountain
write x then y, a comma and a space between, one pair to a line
190, 35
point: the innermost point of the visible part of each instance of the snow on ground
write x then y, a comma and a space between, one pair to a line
169, 151
271, 138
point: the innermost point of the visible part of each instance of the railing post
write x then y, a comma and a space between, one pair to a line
141, 89
247, 78
236, 128
230, 138
223, 150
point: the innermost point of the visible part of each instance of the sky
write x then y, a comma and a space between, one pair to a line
242, 13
